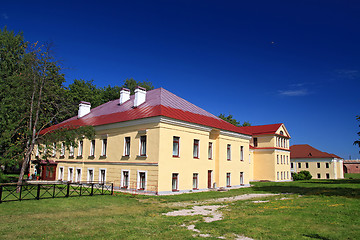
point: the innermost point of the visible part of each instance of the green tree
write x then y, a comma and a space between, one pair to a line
233, 121
357, 142
132, 84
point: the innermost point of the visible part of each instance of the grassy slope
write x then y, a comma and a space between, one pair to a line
327, 209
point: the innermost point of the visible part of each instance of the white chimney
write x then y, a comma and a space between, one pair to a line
84, 108
140, 96
124, 95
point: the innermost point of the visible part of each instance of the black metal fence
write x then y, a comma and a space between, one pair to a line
13, 192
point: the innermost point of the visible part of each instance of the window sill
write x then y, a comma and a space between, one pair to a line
124, 187
91, 157
79, 157
196, 157
176, 156
175, 190
141, 156
103, 157
210, 159
195, 189
62, 156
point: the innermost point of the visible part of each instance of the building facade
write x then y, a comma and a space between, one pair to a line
159, 143
321, 165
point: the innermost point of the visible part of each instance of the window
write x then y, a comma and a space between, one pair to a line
141, 180
241, 178
307, 165
71, 151
210, 151
287, 174
241, 153
255, 142
299, 165
176, 143
92, 148
70, 174
102, 175
277, 175
291, 165
143, 146
81, 146
175, 182
125, 179
195, 181
228, 180
196, 149
228, 152
287, 160
62, 150
281, 159
104, 147
277, 159
327, 165
61, 173
318, 175
327, 176
90, 176
54, 150
318, 165
78, 174
281, 175
127, 146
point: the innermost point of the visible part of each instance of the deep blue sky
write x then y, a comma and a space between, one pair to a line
295, 62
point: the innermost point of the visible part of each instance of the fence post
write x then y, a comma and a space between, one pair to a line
92, 189
102, 189
38, 192
68, 190
20, 192
54, 191
80, 188
112, 188
1, 193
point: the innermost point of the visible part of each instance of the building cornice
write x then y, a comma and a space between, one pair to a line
233, 134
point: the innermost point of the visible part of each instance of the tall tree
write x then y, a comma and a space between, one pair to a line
132, 84
233, 121
357, 142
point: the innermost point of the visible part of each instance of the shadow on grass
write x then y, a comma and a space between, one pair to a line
315, 236
344, 188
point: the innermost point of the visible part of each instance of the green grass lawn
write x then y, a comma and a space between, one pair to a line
352, 175
317, 209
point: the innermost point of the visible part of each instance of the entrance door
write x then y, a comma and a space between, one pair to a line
209, 178
48, 172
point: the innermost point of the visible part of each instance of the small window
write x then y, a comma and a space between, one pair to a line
287, 160
104, 147
241, 178
318, 165
61, 173
210, 150
62, 150
241, 153
71, 151
70, 174
307, 165
228, 179
92, 148
327, 165
176, 143
281, 159
195, 181
175, 182
125, 179
327, 176
102, 176
228, 152
281, 175
277, 159
299, 165
54, 150
277, 175
78, 174
281, 133
291, 165
255, 142
127, 146
318, 175
90, 176
196, 149
287, 174
81, 146
143, 146
142, 181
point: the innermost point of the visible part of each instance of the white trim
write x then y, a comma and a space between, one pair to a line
124, 155
72, 176
146, 146
103, 148
138, 179
128, 123
76, 174
184, 124
311, 160
122, 178
81, 147
61, 175
100, 180
233, 134
87, 177
92, 148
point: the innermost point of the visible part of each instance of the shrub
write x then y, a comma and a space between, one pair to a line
302, 175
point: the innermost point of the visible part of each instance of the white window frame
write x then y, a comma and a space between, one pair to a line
176, 182
70, 176
104, 147
62, 149
122, 178
241, 178
77, 175
178, 146
92, 148
210, 151
228, 152
88, 175
81, 148
138, 179
278, 175
198, 149
241, 153
61, 173
141, 146
127, 150
71, 151
100, 180
196, 186
228, 179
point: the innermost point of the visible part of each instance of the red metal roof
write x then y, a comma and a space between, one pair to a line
307, 151
159, 102
262, 129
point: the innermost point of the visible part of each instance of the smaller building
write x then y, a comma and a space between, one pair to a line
352, 166
321, 165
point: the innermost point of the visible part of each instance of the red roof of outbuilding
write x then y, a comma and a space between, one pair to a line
159, 102
262, 129
307, 151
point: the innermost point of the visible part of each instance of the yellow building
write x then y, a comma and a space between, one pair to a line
159, 143
321, 165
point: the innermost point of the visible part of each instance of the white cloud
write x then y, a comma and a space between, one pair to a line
294, 93
4, 16
348, 73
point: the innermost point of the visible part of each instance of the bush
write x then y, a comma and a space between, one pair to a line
302, 175
3, 178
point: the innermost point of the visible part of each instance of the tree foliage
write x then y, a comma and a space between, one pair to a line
357, 142
233, 121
